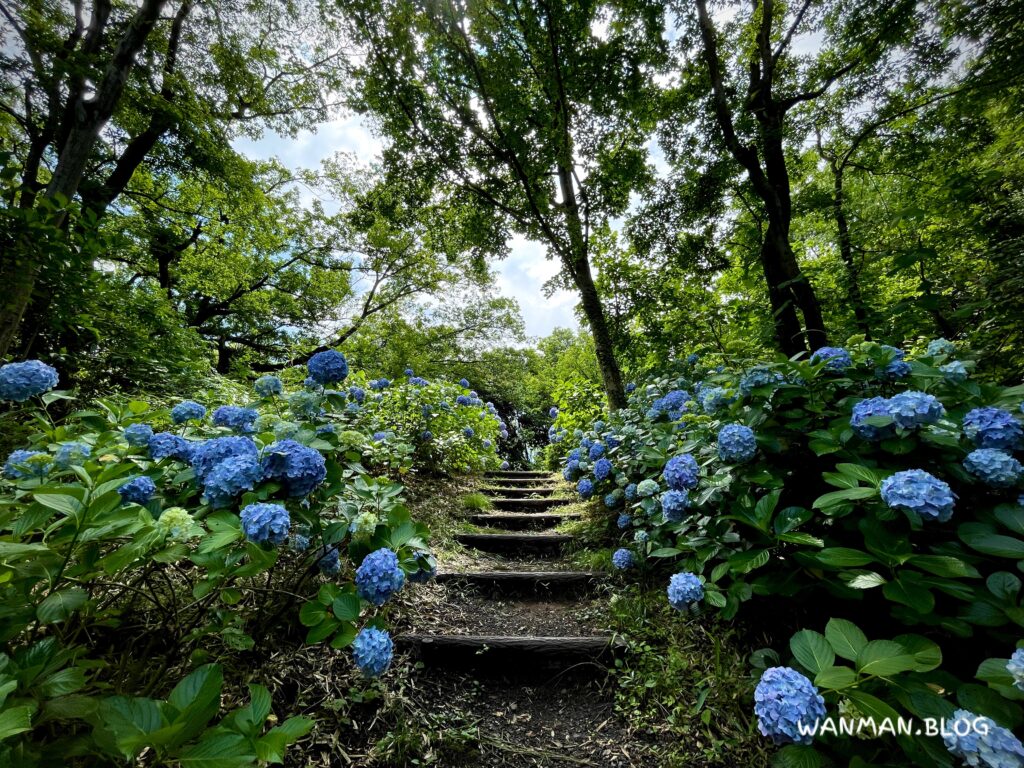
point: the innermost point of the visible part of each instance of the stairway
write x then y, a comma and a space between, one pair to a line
524, 512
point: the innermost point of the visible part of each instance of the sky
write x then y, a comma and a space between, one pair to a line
520, 276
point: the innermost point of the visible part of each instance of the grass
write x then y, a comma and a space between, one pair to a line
476, 502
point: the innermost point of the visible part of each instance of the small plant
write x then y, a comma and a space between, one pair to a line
476, 502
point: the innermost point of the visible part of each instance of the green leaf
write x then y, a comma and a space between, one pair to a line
904, 591
835, 678
198, 690
942, 565
346, 607
843, 557
812, 650
312, 613
58, 606
862, 579
666, 552
981, 538
64, 503
796, 756
884, 658
994, 671
845, 637
927, 654
745, 562
869, 476
1004, 585
872, 707
345, 637
16, 720
223, 750
835, 498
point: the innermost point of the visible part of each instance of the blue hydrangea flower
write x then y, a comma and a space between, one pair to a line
327, 367
938, 347
982, 743
207, 454
783, 698
759, 377
553, 412
464, 383
379, 576
20, 381
487, 444
379, 384
631, 492
897, 368
835, 358
602, 468
329, 562
21, 464
672, 404
623, 521
736, 443
954, 372
138, 490
865, 409
572, 470
647, 488
418, 381
225, 467
912, 409
427, 568
268, 386
993, 467
585, 488
574, 455
505, 465
630, 388
426, 435
379, 437
409, 372
641, 537
611, 500
236, 418
993, 428
69, 454
674, 504
1015, 666
137, 435
596, 451
713, 399
265, 523
692, 358
358, 394
623, 559
463, 400
298, 542
188, 410
300, 468
468, 432
684, 589
372, 651
164, 445
681, 472
916, 490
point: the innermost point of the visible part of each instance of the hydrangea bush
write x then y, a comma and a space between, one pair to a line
137, 542
881, 485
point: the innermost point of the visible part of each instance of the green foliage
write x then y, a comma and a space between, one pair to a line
476, 502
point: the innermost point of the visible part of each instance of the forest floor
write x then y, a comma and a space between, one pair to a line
675, 695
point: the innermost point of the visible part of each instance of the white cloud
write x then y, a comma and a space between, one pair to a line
522, 276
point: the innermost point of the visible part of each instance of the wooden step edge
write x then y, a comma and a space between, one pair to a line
483, 649
520, 577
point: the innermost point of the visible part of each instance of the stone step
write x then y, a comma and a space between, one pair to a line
518, 475
528, 505
521, 521
507, 653
519, 482
547, 583
512, 492
549, 544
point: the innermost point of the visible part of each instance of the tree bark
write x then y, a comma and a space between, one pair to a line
853, 292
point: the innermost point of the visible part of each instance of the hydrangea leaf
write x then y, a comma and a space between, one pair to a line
884, 658
980, 537
835, 678
812, 650
845, 637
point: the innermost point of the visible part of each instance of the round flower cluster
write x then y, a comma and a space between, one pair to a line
298, 466
358, 394
137, 435
364, 525
327, 367
505, 466
553, 413
70, 454
647, 488
22, 464
993, 428
979, 741
167, 445
20, 381
623, 559
585, 488
994, 467
954, 372
268, 386
674, 504
372, 650
138, 490
713, 399
912, 409
873, 407
464, 383
630, 388
623, 521
630, 492
736, 443
265, 523
177, 524
305, 405
329, 561
427, 568
938, 347
612, 500
673, 405
835, 358
681, 472
917, 491
236, 418
759, 377
684, 589
226, 466
379, 384
572, 469
379, 576
596, 452
418, 381
1015, 666
896, 368
188, 410
602, 468
783, 701
468, 432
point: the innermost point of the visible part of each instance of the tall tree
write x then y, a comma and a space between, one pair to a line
536, 110
757, 82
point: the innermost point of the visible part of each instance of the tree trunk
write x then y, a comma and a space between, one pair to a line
853, 294
788, 332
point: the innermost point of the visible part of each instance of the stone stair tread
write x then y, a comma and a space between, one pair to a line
504, 652
522, 520
528, 503
517, 491
550, 543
